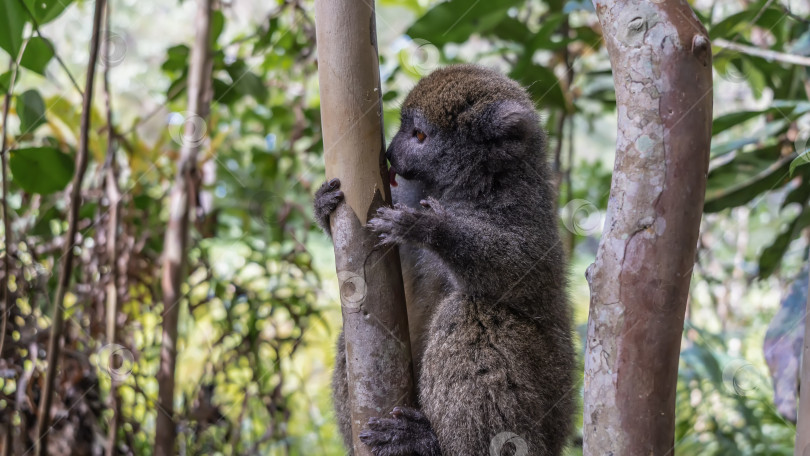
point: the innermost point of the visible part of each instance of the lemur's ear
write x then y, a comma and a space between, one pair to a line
507, 120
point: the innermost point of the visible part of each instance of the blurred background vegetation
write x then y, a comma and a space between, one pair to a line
258, 326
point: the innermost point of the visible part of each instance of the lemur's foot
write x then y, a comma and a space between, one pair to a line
407, 432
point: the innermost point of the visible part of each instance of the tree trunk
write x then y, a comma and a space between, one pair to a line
181, 199
375, 324
661, 59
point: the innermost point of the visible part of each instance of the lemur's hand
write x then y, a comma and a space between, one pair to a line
327, 199
402, 224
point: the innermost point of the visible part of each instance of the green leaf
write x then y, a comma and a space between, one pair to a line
30, 110
745, 177
754, 77
771, 130
801, 160
542, 84
772, 255
224, 93
542, 39
729, 25
799, 195
802, 45
41, 170
455, 20
246, 82
5, 80
511, 29
12, 21
45, 11
727, 121
42, 227
38, 52
176, 58
217, 25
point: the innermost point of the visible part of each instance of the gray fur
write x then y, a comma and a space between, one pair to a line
484, 272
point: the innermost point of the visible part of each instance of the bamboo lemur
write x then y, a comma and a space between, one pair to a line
484, 274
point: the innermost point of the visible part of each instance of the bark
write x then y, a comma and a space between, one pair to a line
375, 324
181, 199
661, 59
58, 319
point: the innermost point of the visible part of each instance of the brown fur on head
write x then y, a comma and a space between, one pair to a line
451, 97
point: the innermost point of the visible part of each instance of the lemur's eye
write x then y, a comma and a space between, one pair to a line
420, 135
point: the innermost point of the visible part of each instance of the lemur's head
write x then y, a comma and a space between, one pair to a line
462, 125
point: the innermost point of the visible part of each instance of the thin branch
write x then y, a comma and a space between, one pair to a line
114, 198
8, 240
566, 58
767, 54
43, 418
794, 16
